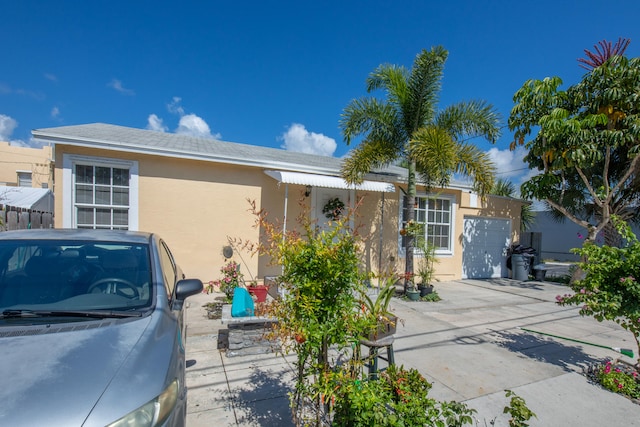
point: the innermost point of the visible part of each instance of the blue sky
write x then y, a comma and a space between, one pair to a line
279, 74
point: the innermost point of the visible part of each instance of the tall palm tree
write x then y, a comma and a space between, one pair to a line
407, 126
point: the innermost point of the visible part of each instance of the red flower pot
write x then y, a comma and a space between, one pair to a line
260, 292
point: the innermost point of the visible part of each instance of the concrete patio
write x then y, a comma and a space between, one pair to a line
468, 345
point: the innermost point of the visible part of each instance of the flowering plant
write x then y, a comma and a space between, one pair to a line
397, 397
618, 380
231, 279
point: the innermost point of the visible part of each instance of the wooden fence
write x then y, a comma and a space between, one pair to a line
22, 220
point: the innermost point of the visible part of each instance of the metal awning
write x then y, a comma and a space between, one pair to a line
36, 199
327, 181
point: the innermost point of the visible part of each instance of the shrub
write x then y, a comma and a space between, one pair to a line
398, 397
610, 290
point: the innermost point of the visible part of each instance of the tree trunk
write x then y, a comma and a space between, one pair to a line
411, 201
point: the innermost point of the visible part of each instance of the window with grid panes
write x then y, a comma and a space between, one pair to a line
101, 197
435, 217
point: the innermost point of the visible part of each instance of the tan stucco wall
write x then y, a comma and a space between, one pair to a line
448, 267
196, 205
36, 160
193, 205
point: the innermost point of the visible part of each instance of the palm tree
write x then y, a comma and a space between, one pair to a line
506, 188
407, 126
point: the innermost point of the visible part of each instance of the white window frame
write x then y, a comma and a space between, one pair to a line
69, 162
452, 221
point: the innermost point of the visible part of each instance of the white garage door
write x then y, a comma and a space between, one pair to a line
485, 245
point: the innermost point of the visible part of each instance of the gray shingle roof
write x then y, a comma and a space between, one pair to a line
120, 138
112, 137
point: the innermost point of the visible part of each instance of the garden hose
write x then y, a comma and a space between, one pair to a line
624, 351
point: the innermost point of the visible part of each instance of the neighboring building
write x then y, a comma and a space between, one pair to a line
558, 238
194, 192
26, 199
25, 166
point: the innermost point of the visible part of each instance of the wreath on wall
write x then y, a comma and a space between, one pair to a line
333, 208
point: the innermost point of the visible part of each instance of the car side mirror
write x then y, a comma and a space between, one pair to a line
187, 287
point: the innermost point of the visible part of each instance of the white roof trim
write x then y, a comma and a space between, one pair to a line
326, 181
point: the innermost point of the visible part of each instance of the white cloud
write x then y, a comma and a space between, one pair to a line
299, 139
190, 124
7, 126
155, 123
117, 85
55, 112
510, 165
51, 77
174, 106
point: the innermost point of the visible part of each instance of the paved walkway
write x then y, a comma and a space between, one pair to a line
468, 345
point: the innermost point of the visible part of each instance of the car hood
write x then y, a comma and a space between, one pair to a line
57, 377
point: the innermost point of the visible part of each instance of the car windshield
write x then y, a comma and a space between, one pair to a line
63, 277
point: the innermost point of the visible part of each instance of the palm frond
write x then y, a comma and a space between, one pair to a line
369, 155
424, 85
471, 119
504, 187
368, 116
435, 154
392, 79
476, 164
527, 217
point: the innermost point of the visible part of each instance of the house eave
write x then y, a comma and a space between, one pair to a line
180, 154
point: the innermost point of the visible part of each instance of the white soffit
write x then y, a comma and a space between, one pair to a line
326, 181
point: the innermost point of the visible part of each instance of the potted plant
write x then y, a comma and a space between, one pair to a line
426, 269
259, 291
333, 208
231, 279
412, 293
379, 321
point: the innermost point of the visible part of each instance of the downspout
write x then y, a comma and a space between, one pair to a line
286, 202
284, 221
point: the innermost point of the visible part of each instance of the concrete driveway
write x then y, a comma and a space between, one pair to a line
468, 345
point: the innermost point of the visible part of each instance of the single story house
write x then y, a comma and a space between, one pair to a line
194, 191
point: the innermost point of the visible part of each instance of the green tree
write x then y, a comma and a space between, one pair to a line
586, 142
610, 289
506, 188
407, 126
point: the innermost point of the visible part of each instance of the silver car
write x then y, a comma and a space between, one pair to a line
91, 329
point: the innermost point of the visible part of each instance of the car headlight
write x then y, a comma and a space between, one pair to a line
152, 413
